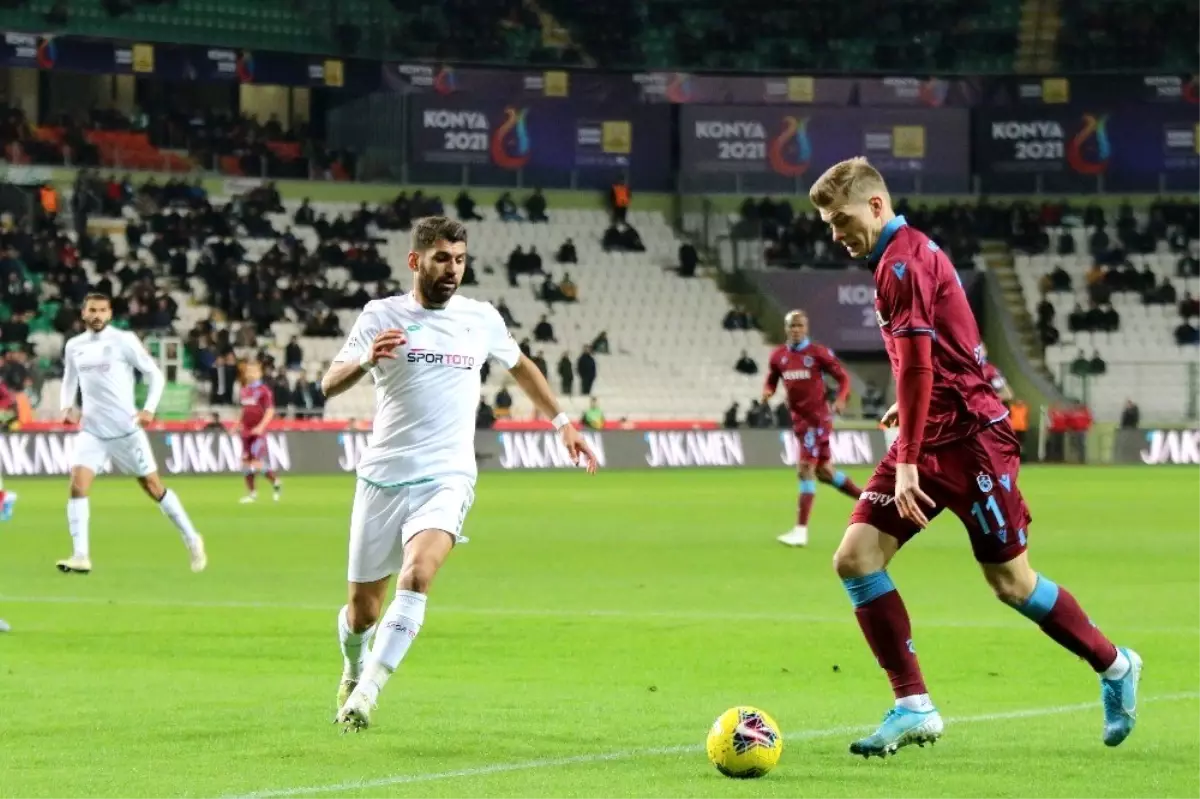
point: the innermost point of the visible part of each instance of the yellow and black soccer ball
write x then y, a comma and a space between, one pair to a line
744, 743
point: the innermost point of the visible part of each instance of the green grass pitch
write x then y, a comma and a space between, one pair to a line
581, 644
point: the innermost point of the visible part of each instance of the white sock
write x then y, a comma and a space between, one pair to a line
172, 508
1118, 668
78, 514
919, 703
398, 629
353, 645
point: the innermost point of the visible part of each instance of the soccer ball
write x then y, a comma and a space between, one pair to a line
744, 743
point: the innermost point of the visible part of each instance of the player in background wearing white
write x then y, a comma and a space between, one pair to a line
416, 479
99, 364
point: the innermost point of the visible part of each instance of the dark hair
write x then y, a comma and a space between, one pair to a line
96, 296
432, 229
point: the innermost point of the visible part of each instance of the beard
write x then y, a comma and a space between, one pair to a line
437, 289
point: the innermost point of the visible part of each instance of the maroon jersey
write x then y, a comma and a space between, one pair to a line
802, 368
918, 293
256, 400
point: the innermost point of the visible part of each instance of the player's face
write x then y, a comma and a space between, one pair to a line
253, 373
797, 328
856, 225
439, 271
96, 314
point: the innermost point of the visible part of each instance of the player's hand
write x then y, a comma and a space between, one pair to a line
839, 406
71, 416
386, 344
578, 448
892, 417
909, 496
767, 395
144, 418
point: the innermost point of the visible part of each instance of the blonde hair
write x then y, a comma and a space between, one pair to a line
847, 181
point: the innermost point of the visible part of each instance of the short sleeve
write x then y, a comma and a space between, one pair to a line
366, 327
500, 343
906, 295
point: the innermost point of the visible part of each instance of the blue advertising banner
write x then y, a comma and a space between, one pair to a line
184, 62
550, 133
1087, 140
790, 142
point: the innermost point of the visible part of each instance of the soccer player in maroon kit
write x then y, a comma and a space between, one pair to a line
956, 450
258, 409
802, 365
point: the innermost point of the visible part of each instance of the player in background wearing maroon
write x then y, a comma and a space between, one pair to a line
802, 364
956, 450
995, 378
258, 409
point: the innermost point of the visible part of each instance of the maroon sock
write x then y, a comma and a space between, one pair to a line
850, 488
884, 622
1071, 629
249, 481
805, 508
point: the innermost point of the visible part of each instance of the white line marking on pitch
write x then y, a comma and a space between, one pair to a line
629, 754
566, 613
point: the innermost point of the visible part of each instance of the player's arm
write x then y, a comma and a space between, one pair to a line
156, 381
906, 294
772, 382
534, 385
268, 414
835, 370
1002, 388
69, 389
367, 344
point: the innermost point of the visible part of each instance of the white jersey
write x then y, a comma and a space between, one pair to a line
102, 365
426, 398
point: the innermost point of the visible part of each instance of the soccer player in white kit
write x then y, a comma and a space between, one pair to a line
416, 479
99, 364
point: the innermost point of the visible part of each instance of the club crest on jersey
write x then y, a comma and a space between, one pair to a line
808, 361
899, 269
985, 483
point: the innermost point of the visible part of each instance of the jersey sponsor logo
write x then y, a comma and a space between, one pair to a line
219, 453
452, 360
537, 450
796, 374
877, 498
694, 448
849, 447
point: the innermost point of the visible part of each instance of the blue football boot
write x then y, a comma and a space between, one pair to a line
900, 727
1119, 698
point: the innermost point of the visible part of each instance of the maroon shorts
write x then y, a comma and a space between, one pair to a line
254, 448
975, 478
813, 443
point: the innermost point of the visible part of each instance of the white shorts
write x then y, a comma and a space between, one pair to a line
130, 454
384, 520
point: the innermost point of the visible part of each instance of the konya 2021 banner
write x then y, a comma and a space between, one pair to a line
795, 141
840, 304
522, 131
1087, 140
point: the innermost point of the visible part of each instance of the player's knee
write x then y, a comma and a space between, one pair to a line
363, 610
825, 473
417, 575
851, 561
1011, 587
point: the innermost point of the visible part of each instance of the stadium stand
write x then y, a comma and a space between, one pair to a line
1109, 35
1111, 294
667, 354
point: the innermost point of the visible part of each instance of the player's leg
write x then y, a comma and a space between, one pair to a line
261, 458
88, 456
356, 627
250, 469
875, 534
435, 516
997, 520
171, 507
806, 477
827, 474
